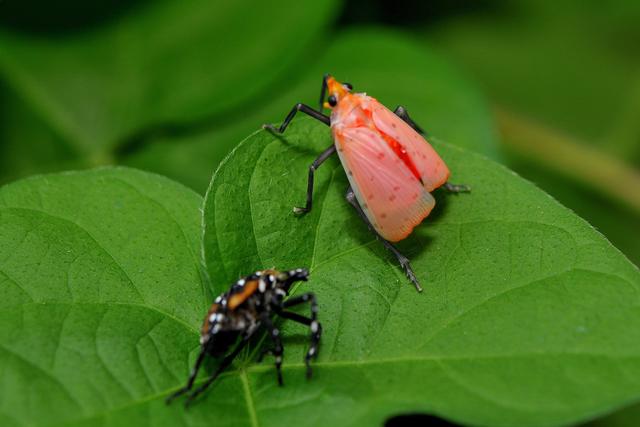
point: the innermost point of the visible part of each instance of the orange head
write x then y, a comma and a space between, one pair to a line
336, 90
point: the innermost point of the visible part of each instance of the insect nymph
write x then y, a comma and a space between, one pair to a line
391, 168
239, 313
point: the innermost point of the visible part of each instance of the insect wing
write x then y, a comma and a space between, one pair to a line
390, 195
432, 169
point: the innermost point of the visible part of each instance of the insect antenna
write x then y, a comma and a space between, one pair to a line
323, 90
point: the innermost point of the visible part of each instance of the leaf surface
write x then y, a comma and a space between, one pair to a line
528, 317
101, 292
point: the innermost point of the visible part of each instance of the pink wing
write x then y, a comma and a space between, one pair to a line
432, 169
391, 196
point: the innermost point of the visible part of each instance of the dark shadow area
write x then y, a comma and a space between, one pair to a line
409, 420
416, 13
62, 17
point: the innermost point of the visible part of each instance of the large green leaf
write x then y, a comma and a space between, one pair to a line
100, 291
386, 64
529, 316
163, 61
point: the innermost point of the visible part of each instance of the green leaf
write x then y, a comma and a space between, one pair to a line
529, 316
386, 64
100, 294
163, 61
27, 145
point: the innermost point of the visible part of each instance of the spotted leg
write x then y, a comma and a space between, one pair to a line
277, 349
192, 378
456, 188
223, 365
401, 112
312, 169
311, 322
403, 260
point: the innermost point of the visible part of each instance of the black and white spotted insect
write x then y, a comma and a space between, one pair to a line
237, 314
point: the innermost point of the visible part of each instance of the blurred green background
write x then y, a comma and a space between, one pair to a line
550, 89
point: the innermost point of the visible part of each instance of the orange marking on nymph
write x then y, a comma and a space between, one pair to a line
248, 290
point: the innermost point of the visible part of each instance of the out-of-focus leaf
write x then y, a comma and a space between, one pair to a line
163, 61
529, 316
385, 64
27, 145
573, 65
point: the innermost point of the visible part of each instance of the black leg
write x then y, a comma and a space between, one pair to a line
456, 188
401, 112
314, 325
312, 168
305, 109
403, 260
277, 349
223, 365
192, 378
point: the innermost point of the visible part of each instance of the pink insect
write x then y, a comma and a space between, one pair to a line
391, 168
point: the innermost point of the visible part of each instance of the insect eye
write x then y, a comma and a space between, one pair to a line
332, 100
349, 86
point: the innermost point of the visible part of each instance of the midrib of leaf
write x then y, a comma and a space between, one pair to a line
440, 360
242, 374
248, 397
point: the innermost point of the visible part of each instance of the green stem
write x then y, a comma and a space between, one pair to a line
571, 157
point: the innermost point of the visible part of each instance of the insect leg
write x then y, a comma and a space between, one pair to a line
223, 365
312, 169
456, 188
312, 322
403, 260
401, 112
277, 343
305, 109
192, 378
